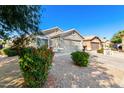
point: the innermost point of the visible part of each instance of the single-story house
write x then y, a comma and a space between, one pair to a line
92, 42
106, 43
67, 41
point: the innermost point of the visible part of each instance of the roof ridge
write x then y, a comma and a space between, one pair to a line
52, 28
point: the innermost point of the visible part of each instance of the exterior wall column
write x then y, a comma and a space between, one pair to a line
122, 42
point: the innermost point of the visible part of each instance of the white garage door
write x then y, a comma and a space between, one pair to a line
71, 46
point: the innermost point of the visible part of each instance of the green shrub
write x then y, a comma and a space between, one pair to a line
100, 50
80, 58
10, 52
35, 64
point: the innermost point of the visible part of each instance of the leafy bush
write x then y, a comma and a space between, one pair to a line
21, 42
80, 58
10, 52
35, 64
100, 50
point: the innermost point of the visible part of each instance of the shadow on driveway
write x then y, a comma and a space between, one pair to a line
67, 75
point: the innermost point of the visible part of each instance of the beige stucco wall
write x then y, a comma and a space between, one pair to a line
100, 45
73, 36
106, 44
96, 40
88, 44
55, 42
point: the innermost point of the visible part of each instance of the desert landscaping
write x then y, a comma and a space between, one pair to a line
65, 74
61, 47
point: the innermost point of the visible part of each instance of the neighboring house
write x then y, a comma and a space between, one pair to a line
92, 42
61, 41
106, 43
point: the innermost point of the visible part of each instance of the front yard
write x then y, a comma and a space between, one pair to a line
64, 74
10, 75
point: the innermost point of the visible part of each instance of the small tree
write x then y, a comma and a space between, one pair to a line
19, 20
117, 37
20, 42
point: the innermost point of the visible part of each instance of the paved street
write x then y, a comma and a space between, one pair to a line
116, 59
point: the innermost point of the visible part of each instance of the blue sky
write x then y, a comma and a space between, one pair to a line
102, 21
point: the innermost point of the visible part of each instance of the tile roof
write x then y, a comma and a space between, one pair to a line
89, 37
48, 31
68, 32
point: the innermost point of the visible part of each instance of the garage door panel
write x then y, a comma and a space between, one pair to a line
94, 45
70, 46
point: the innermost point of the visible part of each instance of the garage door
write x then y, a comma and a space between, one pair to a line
70, 46
94, 45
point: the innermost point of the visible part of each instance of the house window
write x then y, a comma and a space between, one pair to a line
42, 42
